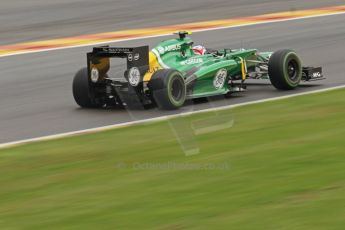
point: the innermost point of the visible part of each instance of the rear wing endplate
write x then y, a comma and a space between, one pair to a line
136, 57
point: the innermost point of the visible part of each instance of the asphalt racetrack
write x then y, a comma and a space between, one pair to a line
35, 89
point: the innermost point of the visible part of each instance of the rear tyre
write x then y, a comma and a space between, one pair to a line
81, 90
168, 89
285, 69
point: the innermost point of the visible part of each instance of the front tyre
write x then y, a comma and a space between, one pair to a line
285, 69
81, 90
168, 89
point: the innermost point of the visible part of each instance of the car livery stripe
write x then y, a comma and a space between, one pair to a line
153, 67
102, 38
160, 61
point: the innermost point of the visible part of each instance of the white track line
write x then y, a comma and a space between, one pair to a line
93, 130
161, 118
168, 34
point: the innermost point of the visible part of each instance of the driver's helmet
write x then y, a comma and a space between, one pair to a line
199, 50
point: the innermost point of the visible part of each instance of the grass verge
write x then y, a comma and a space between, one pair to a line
279, 165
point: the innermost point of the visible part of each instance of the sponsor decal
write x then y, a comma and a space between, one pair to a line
134, 76
116, 50
317, 74
94, 75
136, 57
192, 61
152, 69
219, 78
165, 49
130, 57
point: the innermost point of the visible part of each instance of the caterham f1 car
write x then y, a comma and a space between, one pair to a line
175, 71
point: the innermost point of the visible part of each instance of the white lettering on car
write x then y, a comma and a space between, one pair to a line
317, 74
192, 61
165, 49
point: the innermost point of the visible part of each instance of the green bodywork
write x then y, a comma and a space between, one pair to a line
200, 70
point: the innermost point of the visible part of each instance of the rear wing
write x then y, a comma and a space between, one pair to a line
136, 57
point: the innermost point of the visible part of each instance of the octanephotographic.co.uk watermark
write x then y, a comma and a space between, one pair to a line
186, 129
171, 165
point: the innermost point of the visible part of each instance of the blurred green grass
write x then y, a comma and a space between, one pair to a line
284, 169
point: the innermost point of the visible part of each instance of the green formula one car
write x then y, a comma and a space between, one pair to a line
175, 71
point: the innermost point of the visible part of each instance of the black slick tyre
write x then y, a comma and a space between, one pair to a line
285, 69
168, 89
81, 90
